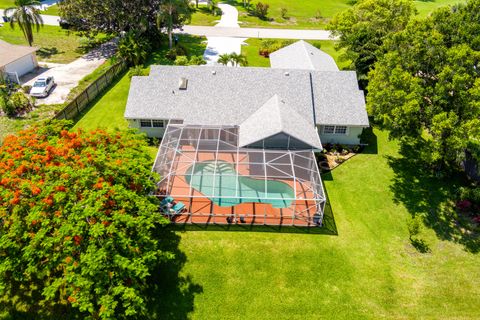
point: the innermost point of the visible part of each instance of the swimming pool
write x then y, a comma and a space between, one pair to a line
221, 188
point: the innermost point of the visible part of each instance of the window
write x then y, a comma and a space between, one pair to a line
328, 129
157, 123
335, 130
145, 123
340, 130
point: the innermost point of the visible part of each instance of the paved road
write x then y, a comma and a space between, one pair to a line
256, 33
47, 20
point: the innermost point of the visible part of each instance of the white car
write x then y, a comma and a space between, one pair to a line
42, 87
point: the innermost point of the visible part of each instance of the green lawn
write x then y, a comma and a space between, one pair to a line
52, 10
56, 45
251, 47
307, 14
203, 17
368, 271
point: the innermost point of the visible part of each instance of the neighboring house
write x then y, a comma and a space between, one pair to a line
15, 61
292, 108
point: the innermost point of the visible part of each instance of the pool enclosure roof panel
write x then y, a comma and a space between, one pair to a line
212, 165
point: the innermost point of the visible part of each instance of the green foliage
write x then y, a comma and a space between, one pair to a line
414, 226
234, 58
113, 16
261, 10
178, 50
15, 104
283, 13
181, 61
77, 221
173, 14
363, 28
194, 60
133, 48
27, 16
268, 46
137, 71
426, 88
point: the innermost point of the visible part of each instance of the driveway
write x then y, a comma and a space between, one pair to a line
67, 76
217, 46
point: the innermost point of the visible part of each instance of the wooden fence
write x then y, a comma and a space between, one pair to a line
82, 100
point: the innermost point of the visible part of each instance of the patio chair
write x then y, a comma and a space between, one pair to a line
178, 207
166, 200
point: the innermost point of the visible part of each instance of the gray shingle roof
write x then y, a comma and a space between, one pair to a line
10, 52
228, 96
302, 55
274, 117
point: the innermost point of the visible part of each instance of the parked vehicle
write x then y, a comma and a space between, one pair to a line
42, 87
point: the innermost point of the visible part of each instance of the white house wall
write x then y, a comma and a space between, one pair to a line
23, 65
352, 136
150, 132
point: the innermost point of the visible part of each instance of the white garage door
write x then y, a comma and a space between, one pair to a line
21, 66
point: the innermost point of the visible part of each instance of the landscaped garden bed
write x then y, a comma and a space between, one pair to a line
334, 155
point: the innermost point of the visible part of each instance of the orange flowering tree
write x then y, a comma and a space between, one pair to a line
76, 223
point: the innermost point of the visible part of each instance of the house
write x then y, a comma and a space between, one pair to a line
16, 61
302, 55
238, 144
278, 107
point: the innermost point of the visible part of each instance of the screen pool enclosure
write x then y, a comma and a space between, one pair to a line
207, 178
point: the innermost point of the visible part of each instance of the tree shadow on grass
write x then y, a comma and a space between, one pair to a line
422, 193
171, 295
46, 53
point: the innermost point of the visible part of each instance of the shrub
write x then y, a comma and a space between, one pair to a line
283, 13
173, 53
261, 10
414, 226
318, 15
197, 60
137, 71
133, 49
182, 61
26, 89
268, 46
16, 104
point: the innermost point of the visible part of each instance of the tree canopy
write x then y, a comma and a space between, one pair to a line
116, 16
362, 29
76, 223
426, 88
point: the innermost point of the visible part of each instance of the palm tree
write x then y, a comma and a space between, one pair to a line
27, 16
224, 59
172, 13
238, 59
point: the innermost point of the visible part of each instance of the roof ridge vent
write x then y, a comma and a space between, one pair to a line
182, 83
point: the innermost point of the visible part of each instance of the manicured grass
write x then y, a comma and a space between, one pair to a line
56, 45
308, 14
255, 60
203, 17
368, 271
52, 11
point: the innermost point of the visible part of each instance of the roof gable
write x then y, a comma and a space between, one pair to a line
302, 55
275, 117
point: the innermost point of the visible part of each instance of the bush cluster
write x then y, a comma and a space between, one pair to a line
268, 46
15, 104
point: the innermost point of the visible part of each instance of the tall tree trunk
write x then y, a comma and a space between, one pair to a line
170, 29
196, 2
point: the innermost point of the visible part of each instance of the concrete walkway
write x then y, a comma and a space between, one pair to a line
47, 20
218, 45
